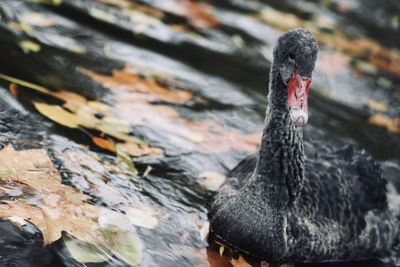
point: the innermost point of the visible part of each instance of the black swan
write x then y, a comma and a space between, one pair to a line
287, 205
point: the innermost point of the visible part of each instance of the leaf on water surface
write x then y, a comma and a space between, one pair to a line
36, 19
58, 114
29, 46
120, 239
278, 19
20, 27
392, 125
5, 174
104, 144
198, 14
47, 2
86, 252
13, 89
102, 15
18, 221
240, 262
221, 250
212, 180
143, 216
124, 158
84, 113
377, 105
134, 95
143, 89
59, 208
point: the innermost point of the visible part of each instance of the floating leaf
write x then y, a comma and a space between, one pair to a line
376, 105
29, 46
54, 212
13, 90
104, 144
141, 89
144, 216
18, 221
125, 159
240, 262
392, 125
6, 173
102, 15
119, 239
36, 19
212, 180
58, 114
85, 252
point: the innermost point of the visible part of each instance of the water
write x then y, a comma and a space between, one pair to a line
191, 82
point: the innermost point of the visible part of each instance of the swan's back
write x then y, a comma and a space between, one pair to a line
342, 211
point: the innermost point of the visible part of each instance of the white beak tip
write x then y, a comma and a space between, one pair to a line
299, 117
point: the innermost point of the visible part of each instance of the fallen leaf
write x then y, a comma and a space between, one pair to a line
13, 89
212, 180
18, 221
104, 144
278, 19
240, 262
58, 208
205, 136
145, 216
36, 19
377, 105
140, 88
58, 114
102, 15
29, 46
392, 125
124, 159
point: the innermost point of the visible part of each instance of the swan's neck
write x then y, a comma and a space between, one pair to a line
280, 166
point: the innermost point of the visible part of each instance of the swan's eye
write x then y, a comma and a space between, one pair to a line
291, 58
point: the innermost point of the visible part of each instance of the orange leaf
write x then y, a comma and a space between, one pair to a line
13, 89
104, 144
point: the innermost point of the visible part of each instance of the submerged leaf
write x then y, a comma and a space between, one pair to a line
86, 252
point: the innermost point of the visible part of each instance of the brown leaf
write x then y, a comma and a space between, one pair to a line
392, 125
53, 212
13, 89
139, 88
104, 144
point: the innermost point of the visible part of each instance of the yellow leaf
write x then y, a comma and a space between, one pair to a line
29, 46
221, 250
376, 105
58, 114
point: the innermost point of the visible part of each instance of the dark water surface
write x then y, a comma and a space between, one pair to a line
180, 86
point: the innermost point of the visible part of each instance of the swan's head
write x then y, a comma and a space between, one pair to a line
295, 55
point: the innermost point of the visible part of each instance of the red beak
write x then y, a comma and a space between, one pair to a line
298, 99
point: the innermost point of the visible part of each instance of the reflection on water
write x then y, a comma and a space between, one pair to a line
179, 87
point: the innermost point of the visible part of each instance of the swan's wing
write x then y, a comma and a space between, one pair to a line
342, 210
